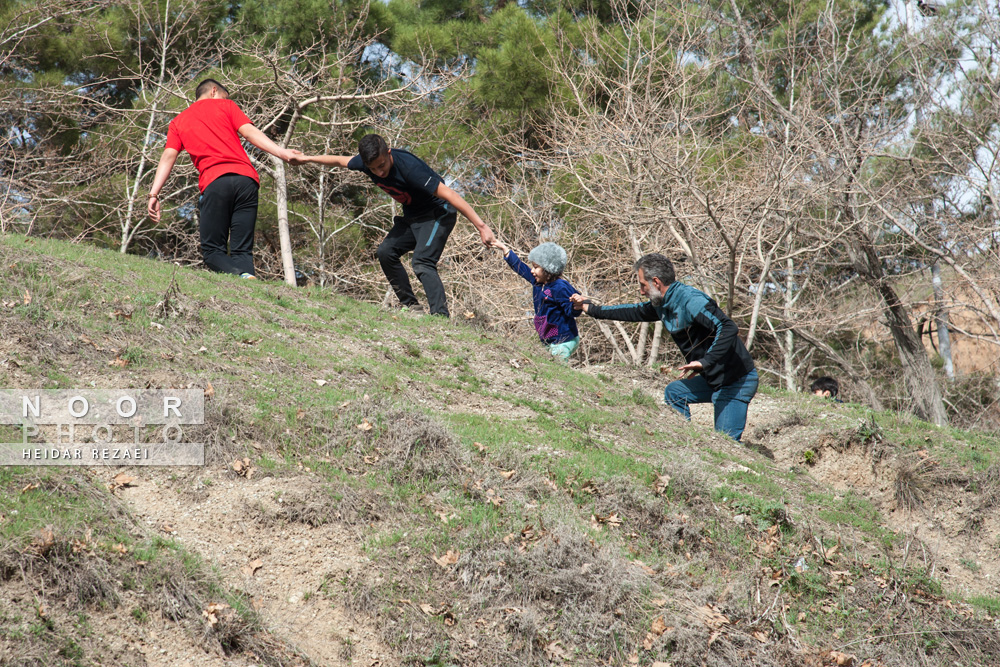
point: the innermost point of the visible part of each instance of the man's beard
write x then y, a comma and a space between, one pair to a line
655, 296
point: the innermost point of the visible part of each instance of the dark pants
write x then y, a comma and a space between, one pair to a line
228, 212
426, 240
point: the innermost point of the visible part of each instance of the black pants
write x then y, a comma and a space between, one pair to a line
228, 212
426, 239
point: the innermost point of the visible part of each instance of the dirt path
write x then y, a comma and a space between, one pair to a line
291, 571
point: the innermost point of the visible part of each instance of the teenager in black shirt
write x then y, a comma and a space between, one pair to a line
430, 211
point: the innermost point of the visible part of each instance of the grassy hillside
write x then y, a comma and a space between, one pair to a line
423, 492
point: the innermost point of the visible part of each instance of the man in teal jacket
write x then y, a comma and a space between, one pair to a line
719, 369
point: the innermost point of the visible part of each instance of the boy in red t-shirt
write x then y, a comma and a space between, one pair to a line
210, 130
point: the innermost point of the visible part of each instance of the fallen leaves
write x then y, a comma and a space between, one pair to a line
209, 390
613, 520
555, 651
89, 341
251, 568
118, 362
86, 545
44, 541
445, 613
661, 484
243, 468
448, 559
655, 631
839, 659
711, 617
213, 612
321, 383
365, 425
29, 487
494, 498
120, 481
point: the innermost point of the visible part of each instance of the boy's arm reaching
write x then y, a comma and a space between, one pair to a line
463, 207
329, 160
261, 141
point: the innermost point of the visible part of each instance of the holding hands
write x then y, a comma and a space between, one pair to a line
292, 156
580, 302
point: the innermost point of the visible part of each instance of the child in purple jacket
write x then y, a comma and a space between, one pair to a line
555, 318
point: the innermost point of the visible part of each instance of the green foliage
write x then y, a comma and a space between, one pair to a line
301, 24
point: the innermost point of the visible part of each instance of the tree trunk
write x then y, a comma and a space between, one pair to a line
941, 319
654, 350
918, 373
284, 237
788, 350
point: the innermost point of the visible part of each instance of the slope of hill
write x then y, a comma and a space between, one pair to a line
387, 489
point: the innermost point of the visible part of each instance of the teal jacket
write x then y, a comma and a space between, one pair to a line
699, 327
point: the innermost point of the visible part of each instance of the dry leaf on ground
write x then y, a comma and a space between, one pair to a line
662, 482
120, 481
658, 628
448, 559
711, 617
243, 468
44, 542
555, 651
251, 568
212, 612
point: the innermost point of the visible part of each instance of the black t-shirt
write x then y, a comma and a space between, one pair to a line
410, 182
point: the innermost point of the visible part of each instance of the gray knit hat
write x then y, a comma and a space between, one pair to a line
549, 256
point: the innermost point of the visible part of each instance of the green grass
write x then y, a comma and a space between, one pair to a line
580, 446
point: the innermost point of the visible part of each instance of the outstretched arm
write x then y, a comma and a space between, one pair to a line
261, 141
462, 206
167, 161
329, 160
633, 312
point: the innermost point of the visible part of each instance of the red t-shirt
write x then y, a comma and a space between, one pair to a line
207, 130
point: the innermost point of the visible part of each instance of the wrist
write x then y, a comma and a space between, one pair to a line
152, 195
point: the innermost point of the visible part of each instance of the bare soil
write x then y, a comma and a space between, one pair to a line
292, 571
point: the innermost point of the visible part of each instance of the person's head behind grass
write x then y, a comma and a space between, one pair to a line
824, 386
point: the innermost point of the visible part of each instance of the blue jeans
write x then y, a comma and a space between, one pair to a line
731, 401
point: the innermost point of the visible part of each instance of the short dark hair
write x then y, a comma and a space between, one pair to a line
205, 86
655, 265
825, 383
371, 147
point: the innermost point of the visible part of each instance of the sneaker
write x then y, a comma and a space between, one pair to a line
249, 276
